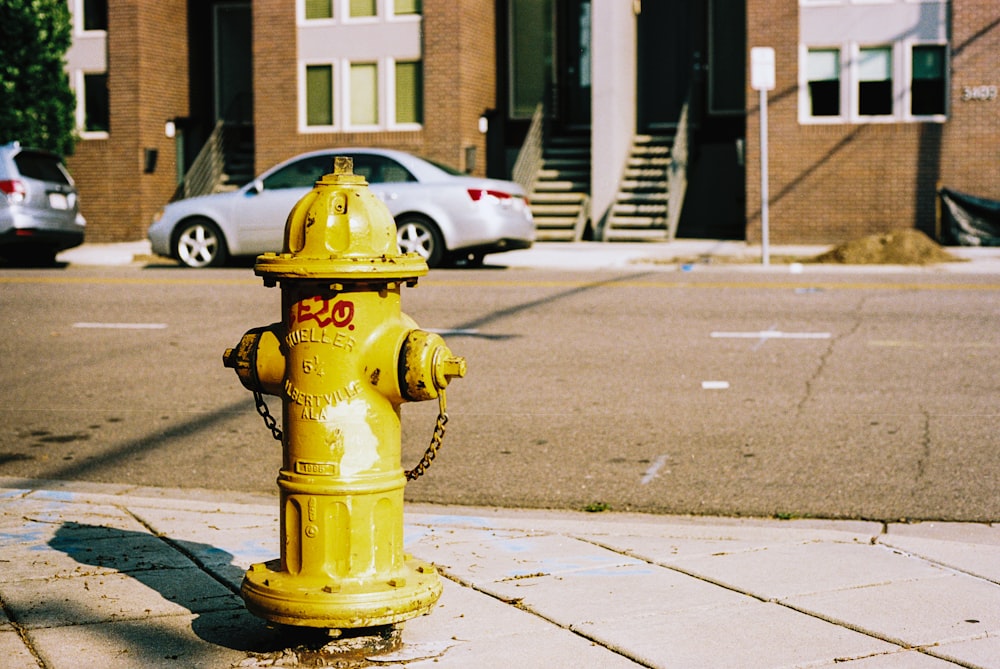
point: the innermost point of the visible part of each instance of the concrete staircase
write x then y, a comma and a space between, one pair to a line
640, 209
560, 197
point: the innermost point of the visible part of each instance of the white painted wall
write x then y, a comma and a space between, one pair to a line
613, 98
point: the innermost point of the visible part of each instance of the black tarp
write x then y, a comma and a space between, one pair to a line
969, 220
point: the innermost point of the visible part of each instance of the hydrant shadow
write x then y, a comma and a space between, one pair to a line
186, 575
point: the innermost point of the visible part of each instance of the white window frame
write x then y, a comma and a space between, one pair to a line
384, 11
907, 48
380, 96
385, 69
853, 89
390, 88
80, 112
335, 73
78, 18
805, 101
902, 72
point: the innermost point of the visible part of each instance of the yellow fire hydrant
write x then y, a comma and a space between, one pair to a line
343, 359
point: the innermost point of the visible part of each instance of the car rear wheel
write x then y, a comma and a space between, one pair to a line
199, 243
419, 235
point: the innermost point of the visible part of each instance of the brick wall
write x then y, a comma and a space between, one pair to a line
459, 83
460, 77
830, 183
147, 80
970, 156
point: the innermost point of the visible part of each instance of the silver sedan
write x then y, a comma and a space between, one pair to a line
441, 214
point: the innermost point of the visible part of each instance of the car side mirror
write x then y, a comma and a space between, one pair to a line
256, 187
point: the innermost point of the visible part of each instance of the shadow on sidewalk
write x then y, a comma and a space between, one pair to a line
197, 577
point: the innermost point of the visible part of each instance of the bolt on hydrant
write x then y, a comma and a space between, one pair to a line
343, 360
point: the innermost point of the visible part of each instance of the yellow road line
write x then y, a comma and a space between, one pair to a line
146, 281
715, 284
487, 283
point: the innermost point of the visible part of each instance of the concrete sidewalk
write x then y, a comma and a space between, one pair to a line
684, 255
117, 576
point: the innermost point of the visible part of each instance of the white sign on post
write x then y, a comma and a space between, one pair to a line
762, 68
762, 79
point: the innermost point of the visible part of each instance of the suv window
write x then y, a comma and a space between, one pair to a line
41, 166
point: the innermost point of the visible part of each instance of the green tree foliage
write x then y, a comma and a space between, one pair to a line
36, 102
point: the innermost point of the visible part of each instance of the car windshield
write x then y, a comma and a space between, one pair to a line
41, 166
305, 172
300, 174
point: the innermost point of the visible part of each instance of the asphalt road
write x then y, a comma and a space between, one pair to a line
843, 395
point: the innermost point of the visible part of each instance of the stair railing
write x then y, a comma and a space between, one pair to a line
205, 173
580, 225
529, 157
677, 171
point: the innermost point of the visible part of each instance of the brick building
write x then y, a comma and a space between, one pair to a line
626, 119
876, 106
279, 77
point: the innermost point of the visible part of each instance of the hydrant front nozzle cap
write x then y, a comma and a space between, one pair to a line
448, 367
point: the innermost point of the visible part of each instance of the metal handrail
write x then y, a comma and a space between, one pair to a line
529, 158
580, 226
677, 176
206, 172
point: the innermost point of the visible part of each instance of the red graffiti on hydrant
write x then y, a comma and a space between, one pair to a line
325, 312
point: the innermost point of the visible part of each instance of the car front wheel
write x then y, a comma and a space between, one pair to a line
418, 235
199, 243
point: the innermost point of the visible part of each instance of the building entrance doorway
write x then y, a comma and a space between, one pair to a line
666, 59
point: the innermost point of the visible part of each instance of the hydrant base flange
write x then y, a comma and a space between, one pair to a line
286, 599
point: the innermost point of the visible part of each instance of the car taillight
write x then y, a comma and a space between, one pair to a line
13, 189
478, 194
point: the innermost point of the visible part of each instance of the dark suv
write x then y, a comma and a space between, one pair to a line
39, 213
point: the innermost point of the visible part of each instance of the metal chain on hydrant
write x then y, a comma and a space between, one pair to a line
269, 421
436, 439
412, 474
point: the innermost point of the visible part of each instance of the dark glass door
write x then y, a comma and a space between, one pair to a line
666, 58
574, 65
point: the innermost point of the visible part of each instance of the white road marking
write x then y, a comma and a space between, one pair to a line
771, 334
763, 335
715, 385
654, 469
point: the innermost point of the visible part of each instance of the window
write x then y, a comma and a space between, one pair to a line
927, 85
95, 14
96, 106
409, 92
318, 9
363, 8
364, 94
406, 7
875, 81
319, 95
823, 76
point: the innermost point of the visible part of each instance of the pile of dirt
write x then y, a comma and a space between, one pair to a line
899, 247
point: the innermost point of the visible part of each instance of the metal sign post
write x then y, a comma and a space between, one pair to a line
762, 79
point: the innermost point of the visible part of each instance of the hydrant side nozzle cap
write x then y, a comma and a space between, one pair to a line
448, 367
